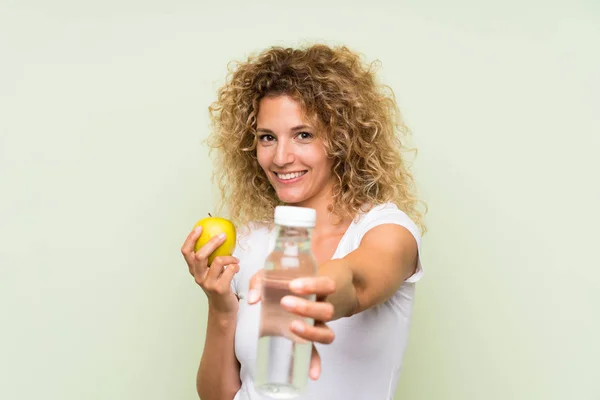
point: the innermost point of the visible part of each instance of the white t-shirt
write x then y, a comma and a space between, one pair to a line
364, 360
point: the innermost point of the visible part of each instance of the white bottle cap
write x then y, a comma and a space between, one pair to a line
301, 217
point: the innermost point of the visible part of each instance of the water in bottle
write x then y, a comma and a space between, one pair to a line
283, 358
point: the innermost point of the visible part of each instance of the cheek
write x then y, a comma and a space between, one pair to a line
262, 158
320, 162
325, 170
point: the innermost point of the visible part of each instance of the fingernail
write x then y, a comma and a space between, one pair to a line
253, 296
197, 229
314, 372
288, 302
297, 326
296, 284
221, 235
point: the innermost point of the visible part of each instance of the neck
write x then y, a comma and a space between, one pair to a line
325, 224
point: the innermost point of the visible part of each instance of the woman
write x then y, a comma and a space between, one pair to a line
312, 127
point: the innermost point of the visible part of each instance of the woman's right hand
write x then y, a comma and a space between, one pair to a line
215, 279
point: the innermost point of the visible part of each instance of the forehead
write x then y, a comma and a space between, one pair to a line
282, 111
279, 107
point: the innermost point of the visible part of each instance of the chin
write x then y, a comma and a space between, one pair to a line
290, 198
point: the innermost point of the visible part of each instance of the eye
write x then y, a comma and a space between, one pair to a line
304, 135
266, 138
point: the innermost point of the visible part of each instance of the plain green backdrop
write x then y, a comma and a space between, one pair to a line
103, 109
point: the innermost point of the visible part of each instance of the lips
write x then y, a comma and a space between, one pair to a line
289, 177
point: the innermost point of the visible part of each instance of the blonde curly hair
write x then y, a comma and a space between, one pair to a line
362, 131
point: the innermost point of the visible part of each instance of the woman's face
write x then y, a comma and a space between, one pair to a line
291, 154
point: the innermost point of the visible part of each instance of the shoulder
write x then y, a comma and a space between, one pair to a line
251, 236
389, 213
386, 213
251, 247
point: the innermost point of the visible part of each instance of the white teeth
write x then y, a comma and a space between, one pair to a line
290, 176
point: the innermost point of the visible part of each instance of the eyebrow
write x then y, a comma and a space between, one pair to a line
296, 128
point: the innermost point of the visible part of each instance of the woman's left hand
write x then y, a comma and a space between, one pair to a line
319, 310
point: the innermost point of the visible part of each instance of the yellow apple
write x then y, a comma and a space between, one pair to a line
212, 226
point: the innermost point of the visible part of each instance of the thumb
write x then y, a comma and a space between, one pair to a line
255, 288
315, 364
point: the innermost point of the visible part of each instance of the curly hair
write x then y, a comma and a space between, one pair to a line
362, 124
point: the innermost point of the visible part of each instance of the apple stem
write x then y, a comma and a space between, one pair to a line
209, 215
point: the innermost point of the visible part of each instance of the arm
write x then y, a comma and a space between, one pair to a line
371, 274
219, 373
368, 276
218, 376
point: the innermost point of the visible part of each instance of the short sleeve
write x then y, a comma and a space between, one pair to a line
234, 285
241, 248
390, 214
250, 245
240, 252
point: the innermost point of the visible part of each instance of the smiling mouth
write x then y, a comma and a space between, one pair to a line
289, 176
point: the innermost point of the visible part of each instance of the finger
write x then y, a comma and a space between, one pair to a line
320, 285
228, 273
218, 266
319, 333
319, 310
255, 288
315, 364
188, 246
210, 246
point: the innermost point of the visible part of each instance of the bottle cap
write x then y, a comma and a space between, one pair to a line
302, 217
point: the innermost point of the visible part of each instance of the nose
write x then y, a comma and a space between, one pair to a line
283, 154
